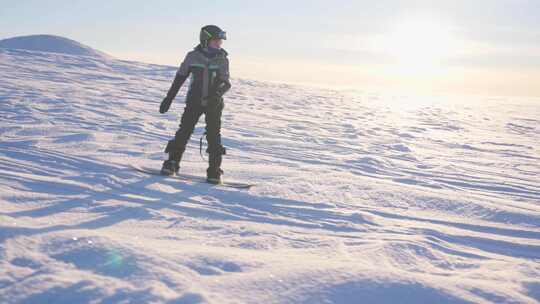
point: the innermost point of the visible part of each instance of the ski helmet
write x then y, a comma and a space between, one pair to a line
209, 32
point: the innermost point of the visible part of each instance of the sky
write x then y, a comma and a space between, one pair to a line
486, 47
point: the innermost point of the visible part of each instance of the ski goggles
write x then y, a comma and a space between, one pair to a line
221, 35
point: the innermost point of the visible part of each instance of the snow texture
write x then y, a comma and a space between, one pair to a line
51, 44
361, 197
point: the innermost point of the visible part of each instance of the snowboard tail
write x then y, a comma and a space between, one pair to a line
193, 178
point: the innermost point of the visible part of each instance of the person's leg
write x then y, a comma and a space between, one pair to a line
177, 146
213, 135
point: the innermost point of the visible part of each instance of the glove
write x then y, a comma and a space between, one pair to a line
165, 105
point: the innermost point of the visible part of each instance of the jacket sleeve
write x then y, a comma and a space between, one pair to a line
181, 75
223, 84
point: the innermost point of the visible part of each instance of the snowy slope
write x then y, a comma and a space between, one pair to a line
361, 197
51, 44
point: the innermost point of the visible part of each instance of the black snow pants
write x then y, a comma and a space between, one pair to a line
192, 112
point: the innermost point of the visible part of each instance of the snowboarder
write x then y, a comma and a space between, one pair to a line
208, 66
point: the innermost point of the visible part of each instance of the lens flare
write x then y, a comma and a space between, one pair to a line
114, 259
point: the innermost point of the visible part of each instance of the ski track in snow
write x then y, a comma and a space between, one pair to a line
361, 197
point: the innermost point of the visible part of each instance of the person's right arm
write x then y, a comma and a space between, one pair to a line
181, 75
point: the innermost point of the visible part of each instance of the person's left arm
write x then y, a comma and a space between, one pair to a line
223, 83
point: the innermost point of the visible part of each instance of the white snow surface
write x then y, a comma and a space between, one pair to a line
51, 44
360, 197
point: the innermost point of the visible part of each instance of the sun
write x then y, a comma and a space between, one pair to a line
418, 45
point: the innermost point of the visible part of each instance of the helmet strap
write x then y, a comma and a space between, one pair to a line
207, 33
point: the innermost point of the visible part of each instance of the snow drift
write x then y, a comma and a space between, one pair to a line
51, 44
361, 197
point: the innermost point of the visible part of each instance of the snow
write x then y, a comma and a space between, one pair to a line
361, 197
51, 44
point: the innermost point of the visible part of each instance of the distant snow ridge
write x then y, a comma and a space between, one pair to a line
51, 44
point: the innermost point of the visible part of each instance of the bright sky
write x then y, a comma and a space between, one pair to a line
488, 47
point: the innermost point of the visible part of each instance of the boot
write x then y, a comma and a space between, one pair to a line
172, 165
214, 176
214, 172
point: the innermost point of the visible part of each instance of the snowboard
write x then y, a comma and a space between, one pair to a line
192, 178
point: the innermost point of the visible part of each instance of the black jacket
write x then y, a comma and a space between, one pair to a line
209, 76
